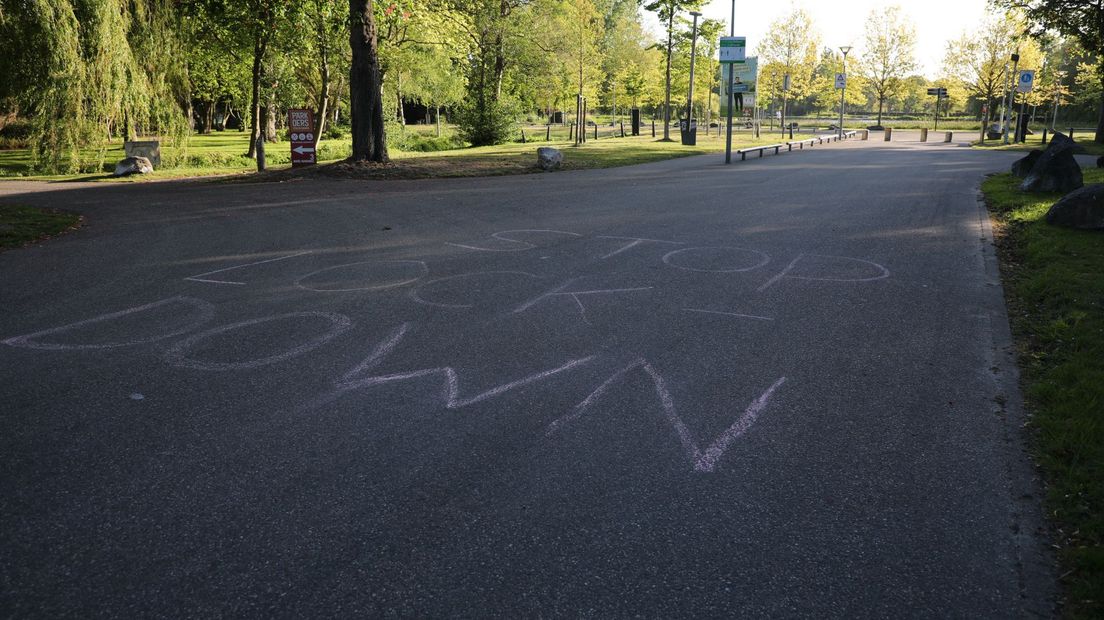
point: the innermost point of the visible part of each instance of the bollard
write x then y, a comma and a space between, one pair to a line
888, 134
595, 131
653, 127
1044, 135
866, 134
948, 136
548, 133
923, 134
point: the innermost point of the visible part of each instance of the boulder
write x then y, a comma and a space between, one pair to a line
1022, 167
549, 158
1082, 208
133, 165
1055, 170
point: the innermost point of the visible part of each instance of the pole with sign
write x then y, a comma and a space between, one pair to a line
733, 53
1023, 85
939, 93
301, 127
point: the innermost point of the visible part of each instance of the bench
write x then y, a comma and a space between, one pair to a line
743, 152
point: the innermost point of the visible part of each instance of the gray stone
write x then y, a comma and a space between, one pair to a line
1022, 166
1055, 170
150, 149
1082, 208
549, 158
133, 165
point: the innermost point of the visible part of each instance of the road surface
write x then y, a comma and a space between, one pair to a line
778, 388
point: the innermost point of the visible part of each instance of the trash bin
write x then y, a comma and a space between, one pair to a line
635, 121
689, 130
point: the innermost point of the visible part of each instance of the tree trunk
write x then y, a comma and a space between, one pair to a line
365, 94
1099, 138
255, 96
270, 118
881, 101
324, 70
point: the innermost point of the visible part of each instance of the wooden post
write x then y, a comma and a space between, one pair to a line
653, 127
622, 129
548, 133
523, 135
595, 130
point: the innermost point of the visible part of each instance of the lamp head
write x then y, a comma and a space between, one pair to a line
845, 49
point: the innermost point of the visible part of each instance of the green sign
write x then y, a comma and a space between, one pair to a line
733, 50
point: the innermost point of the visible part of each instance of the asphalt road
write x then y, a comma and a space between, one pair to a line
778, 388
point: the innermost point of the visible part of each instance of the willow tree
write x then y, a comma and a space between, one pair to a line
95, 70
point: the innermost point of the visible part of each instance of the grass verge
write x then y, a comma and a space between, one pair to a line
1054, 288
21, 225
1035, 142
220, 154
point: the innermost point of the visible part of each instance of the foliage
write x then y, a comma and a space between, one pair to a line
889, 54
790, 48
1078, 20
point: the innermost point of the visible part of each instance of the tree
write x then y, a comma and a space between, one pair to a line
365, 85
87, 71
978, 60
889, 55
1080, 20
790, 48
666, 10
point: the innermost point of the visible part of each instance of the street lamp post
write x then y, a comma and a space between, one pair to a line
1011, 94
731, 97
843, 91
693, 55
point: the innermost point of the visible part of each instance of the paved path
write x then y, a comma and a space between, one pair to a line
778, 388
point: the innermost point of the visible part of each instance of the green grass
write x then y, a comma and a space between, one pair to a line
222, 154
1036, 142
1054, 284
515, 158
21, 225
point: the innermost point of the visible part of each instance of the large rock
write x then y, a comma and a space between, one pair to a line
1083, 208
133, 165
549, 158
1022, 166
1055, 170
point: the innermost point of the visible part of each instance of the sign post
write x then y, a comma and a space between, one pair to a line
301, 126
733, 53
1023, 85
939, 93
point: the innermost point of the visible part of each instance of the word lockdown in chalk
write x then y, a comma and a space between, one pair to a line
198, 313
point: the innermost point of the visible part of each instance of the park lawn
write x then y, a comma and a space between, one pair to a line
515, 158
21, 225
1036, 142
221, 154
1055, 294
